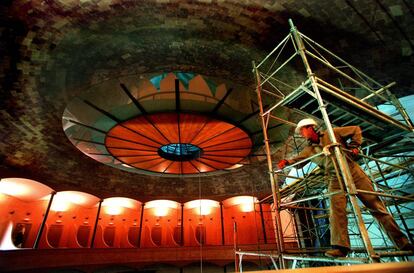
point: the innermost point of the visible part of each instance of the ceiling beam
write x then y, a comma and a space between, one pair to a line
133, 99
221, 102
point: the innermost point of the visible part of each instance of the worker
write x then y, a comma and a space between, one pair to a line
350, 138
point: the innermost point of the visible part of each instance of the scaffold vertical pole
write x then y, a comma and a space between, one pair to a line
340, 157
235, 245
273, 176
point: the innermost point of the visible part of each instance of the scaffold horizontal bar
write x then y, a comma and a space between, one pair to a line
326, 259
256, 254
311, 198
395, 253
386, 195
304, 208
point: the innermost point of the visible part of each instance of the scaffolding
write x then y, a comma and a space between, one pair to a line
332, 91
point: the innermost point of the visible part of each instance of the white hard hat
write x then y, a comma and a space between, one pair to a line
305, 122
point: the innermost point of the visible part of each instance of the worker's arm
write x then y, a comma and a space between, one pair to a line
350, 132
305, 153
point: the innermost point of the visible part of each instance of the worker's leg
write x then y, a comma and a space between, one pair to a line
338, 218
377, 207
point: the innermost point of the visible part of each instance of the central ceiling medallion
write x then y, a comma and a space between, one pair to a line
178, 143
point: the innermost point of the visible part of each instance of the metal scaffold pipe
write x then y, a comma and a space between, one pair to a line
274, 186
340, 157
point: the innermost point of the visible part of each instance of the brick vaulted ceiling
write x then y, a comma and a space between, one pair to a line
52, 50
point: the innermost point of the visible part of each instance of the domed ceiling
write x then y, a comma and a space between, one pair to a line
72, 58
169, 124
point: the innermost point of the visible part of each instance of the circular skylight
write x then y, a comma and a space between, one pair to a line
180, 151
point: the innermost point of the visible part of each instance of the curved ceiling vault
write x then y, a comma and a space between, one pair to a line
56, 54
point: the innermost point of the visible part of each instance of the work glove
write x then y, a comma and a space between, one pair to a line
355, 151
282, 163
